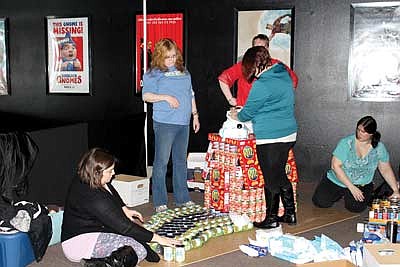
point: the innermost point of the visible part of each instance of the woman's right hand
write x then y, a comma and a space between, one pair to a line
172, 101
357, 193
165, 241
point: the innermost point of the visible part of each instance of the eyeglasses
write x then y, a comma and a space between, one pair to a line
170, 57
361, 130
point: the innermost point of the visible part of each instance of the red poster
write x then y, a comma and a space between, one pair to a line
158, 26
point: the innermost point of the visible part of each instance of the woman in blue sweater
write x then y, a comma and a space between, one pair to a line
168, 86
270, 107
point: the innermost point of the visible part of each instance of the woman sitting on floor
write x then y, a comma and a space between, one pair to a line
97, 223
353, 165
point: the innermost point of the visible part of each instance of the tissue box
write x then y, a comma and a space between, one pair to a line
134, 190
381, 255
337, 263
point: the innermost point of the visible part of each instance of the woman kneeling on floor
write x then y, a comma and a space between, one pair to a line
353, 165
97, 225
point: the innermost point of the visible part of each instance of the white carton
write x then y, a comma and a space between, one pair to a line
196, 163
196, 160
381, 255
134, 190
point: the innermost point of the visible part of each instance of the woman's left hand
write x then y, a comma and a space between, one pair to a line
196, 123
132, 214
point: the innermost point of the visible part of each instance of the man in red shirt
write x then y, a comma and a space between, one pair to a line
234, 73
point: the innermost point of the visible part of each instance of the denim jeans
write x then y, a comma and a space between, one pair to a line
170, 138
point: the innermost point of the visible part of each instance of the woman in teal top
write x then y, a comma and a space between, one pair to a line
353, 166
270, 107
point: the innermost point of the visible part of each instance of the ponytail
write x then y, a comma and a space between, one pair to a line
376, 137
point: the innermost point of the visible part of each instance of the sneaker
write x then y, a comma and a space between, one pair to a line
161, 208
101, 262
188, 204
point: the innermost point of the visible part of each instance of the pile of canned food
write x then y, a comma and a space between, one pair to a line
193, 225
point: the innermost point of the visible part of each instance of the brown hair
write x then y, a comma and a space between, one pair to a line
92, 164
255, 60
261, 37
160, 51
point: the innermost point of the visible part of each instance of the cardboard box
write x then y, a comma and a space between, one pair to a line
337, 263
134, 190
381, 255
196, 163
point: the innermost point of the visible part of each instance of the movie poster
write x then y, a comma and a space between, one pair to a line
275, 23
68, 55
374, 62
158, 26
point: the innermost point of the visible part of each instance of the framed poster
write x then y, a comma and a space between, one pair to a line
169, 25
68, 55
374, 63
277, 24
4, 68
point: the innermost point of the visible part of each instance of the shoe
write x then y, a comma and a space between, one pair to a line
188, 204
161, 208
100, 262
123, 257
272, 206
289, 216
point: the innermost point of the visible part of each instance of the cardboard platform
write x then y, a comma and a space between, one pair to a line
309, 217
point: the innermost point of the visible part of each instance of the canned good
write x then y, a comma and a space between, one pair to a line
179, 253
168, 254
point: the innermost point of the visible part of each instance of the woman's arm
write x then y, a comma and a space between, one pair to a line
336, 166
132, 214
152, 97
387, 172
195, 114
165, 241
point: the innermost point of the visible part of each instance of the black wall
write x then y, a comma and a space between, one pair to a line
321, 50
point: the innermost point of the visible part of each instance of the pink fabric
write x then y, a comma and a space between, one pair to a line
80, 246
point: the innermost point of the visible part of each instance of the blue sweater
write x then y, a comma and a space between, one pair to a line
270, 105
173, 83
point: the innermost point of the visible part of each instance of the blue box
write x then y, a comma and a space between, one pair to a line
15, 250
56, 223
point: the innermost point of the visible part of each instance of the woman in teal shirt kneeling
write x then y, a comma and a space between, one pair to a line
353, 166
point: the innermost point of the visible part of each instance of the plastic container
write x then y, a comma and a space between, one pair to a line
15, 250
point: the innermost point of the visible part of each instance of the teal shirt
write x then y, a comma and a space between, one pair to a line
360, 171
270, 105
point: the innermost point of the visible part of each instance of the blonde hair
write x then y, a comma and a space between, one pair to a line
161, 49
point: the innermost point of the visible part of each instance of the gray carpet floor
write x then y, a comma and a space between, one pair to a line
342, 232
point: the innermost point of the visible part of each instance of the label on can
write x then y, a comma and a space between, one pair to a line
168, 254
179, 253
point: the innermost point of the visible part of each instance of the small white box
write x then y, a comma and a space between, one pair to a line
134, 190
196, 160
381, 255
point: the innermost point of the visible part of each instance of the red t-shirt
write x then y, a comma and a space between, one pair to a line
234, 73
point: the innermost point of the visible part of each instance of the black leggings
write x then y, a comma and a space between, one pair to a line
272, 159
327, 193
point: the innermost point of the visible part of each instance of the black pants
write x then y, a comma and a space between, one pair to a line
272, 159
327, 193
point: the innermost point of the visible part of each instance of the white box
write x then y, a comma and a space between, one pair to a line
134, 190
381, 255
196, 163
196, 160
